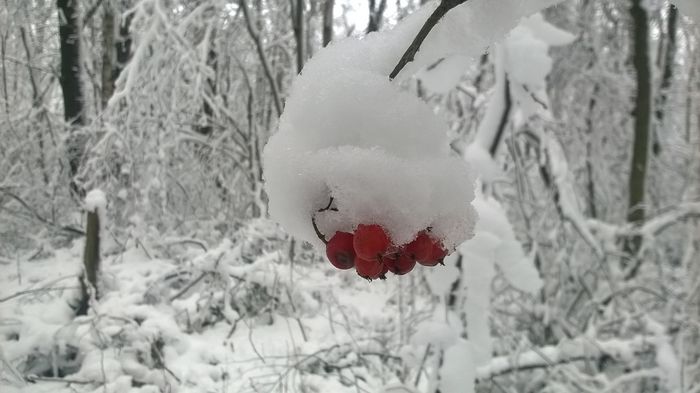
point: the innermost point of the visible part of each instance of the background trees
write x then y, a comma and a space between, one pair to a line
166, 105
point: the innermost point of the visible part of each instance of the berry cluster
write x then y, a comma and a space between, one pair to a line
370, 250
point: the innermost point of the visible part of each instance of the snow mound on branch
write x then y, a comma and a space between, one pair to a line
351, 134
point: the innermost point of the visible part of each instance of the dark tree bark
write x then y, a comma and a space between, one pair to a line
297, 10
212, 62
443, 8
108, 54
642, 121
91, 261
69, 33
376, 13
507, 105
667, 76
123, 46
73, 99
328, 21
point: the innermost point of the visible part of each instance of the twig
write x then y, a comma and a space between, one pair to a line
313, 219
433, 19
91, 12
39, 217
294, 310
29, 291
422, 365
188, 286
34, 378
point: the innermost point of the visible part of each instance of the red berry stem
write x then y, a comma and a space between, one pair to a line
318, 232
313, 220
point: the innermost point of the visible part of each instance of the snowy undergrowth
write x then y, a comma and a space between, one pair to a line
226, 319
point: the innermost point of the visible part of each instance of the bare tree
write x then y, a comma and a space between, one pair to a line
642, 120
327, 21
71, 66
376, 14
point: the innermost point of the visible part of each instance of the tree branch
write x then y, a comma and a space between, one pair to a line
433, 19
263, 59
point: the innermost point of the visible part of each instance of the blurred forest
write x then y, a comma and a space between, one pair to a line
166, 105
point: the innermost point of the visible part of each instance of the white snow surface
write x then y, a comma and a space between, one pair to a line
96, 201
458, 371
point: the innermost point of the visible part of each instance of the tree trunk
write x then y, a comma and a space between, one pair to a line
212, 62
642, 122
297, 10
73, 99
91, 261
108, 52
328, 21
123, 46
667, 76
376, 13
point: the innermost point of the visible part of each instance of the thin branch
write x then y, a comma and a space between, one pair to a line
189, 286
91, 12
433, 19
263, 59
30, 291
40, 218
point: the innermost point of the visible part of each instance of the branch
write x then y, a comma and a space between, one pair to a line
653, 226
91, 12
433, 19
37, 290
263, 59
37, 216
573, 351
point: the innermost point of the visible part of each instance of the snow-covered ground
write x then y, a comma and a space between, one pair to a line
201, 322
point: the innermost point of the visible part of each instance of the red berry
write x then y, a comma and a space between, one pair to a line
385, 270
340, 252
420, 248
400, 264
370, 241
369, 269
437, 254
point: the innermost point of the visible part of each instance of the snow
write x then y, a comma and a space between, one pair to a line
96, 201
435, 333
116, 340
444, 75
527, 44
690, 8
575, 349
458, 372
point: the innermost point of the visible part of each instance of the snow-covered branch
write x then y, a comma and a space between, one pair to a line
579, 349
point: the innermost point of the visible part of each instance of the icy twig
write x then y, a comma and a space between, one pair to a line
35, 378
29, 291
189, 286
433, 19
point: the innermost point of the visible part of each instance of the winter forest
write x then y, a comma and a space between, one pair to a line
349, 196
